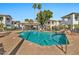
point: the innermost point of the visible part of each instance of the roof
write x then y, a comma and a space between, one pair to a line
31, 23
55, 20
70, 14
5, 15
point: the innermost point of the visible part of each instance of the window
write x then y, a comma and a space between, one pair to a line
8, 19
76, 18
68, 17
48, 22
1, 18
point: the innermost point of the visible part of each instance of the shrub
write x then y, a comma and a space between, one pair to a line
77, 26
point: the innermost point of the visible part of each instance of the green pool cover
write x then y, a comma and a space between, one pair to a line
44, 38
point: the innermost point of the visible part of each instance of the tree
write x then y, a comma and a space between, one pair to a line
34, 6
1, 24
40, 18
43, 17
47, 14
39, 7
29, 20
1, 18
26, 20
76, 26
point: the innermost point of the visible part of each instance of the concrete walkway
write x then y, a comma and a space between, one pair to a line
73, 48
9, 41
27, 48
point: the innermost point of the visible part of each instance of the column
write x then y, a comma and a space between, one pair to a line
4, 21
73, 20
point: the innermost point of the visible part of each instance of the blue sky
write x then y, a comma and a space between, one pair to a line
20, 11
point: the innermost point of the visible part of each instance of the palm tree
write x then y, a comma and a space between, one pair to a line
34, 6
39, 7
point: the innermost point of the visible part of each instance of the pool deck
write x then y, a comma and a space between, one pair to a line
9, 41
27, 48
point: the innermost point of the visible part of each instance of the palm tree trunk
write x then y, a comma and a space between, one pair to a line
42, 27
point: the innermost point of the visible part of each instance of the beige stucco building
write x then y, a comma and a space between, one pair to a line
7, 19
71, 19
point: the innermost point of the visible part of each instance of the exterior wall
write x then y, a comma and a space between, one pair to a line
8, 22
71, 20
5, 21
54, 23
51, 24
74, 20
68, 21
57, 23
78, 20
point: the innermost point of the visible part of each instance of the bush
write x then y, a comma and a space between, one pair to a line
76, 26
1, 27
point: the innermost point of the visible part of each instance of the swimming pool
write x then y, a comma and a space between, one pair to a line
44, 38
